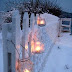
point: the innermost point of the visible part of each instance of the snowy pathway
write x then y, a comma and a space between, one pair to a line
60, 58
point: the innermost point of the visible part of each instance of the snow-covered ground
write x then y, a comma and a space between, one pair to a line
60, 58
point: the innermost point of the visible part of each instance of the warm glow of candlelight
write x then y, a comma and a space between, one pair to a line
38, 21
26, 70
32, 46
37, 42
42, 22
16, 64
26, 47
37, 49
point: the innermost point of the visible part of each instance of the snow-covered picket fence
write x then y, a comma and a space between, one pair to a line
13, 37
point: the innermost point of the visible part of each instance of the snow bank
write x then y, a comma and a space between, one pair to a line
48, 36
59, 60
52, 23
65, 40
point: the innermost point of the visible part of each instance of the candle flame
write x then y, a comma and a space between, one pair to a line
37, 43
37, 49
26, 47
26, 70
42, 22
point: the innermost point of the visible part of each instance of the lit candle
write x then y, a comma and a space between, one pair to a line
37, 49
42, 22
26, 70
26, 47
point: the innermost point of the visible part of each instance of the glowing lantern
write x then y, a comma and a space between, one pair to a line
26, 70
26, 65
26, 47
39, 48
41, 22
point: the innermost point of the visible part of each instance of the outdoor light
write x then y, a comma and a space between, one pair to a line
26, 70
39, 47
26, 47
26, 65
41, 21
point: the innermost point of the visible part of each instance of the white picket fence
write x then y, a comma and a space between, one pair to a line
14, 42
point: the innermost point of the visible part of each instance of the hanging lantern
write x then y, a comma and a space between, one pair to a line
41, 22
39, 47
26, 65
26, 70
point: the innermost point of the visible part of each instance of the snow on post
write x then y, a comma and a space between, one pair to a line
32, 21
16, 30
4, 35
25, 34
16, 35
